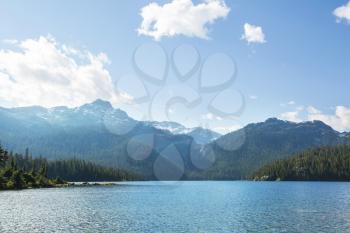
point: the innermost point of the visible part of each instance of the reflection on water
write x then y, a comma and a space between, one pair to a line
180, 207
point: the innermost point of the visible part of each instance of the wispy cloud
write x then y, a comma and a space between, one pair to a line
44, 72
253, 34
289, 103
10, 41
181, 17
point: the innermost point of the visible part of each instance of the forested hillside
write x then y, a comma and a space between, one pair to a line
74, 169
323, 164
18, 171
240, 153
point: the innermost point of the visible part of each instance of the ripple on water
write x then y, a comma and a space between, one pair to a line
180, 207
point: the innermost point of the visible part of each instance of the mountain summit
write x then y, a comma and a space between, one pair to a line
99, 103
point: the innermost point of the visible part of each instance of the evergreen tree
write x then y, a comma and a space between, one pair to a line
3, 156
43, 170
17, 179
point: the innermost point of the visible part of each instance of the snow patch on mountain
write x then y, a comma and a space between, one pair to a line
199, 134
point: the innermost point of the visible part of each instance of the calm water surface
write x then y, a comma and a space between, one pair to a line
181, 207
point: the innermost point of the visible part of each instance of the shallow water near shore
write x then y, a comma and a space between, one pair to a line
191, 206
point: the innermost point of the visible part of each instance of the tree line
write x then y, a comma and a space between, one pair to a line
321, 164
14, 176
19, 171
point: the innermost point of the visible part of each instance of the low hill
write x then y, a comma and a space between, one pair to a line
240, 153
322, 164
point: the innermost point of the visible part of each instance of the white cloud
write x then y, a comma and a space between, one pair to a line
253, 97
339, 121
291, 116
43, 72
253, 34
313, 110
343, 13
181, 17
294, 115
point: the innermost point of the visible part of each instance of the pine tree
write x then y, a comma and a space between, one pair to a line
3, 156
17, 179
43, 170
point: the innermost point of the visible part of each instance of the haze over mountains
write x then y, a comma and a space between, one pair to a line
157, 150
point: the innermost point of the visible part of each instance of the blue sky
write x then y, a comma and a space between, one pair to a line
301, 72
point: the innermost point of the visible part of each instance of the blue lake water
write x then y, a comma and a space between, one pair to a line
207, 206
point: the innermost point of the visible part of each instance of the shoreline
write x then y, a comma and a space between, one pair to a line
68, 185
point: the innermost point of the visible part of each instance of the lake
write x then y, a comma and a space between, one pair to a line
198, 206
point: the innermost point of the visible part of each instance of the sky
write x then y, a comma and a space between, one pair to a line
214, 63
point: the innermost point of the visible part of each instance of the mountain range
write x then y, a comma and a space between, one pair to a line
98, 132
158, 150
